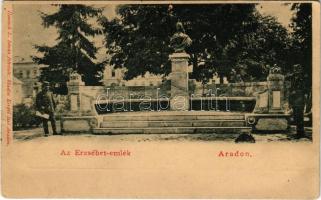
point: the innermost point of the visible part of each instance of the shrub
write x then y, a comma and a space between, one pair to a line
24, 117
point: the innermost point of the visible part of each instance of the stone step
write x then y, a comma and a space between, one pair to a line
173, 116
170, 130
192, 123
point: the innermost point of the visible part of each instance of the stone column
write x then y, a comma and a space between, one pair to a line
74, 92
276, 97
179, 81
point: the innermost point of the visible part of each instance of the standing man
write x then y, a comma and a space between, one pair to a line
45, 104
297, 100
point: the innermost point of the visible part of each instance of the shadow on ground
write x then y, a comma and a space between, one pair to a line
27, 137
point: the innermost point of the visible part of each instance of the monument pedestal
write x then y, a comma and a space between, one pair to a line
269, 114
179, 82
276, 93
74, 91
74, 121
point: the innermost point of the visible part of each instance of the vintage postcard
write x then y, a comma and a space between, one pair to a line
163, 99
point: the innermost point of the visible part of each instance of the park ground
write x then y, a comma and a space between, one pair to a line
37, 133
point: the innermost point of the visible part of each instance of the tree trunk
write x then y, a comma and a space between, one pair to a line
221, 78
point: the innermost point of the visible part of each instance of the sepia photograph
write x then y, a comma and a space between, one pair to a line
237, 69
93, 85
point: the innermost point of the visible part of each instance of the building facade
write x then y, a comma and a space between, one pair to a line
115, 77
26, 82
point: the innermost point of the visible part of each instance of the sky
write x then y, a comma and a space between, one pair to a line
28, 30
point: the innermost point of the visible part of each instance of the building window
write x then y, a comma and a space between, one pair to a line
28, 74
20, 74
113, 73
35, 73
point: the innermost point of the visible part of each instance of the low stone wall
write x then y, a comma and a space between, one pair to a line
246, 89
228, 104
80, 124
87, 95
134, 92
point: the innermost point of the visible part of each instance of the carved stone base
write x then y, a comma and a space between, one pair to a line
76, 124
268, 122
272, 124
180, 103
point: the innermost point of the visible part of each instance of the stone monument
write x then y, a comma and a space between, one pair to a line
74, 91
179, 75
272, 99
275, 82
75, 121
269, 113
